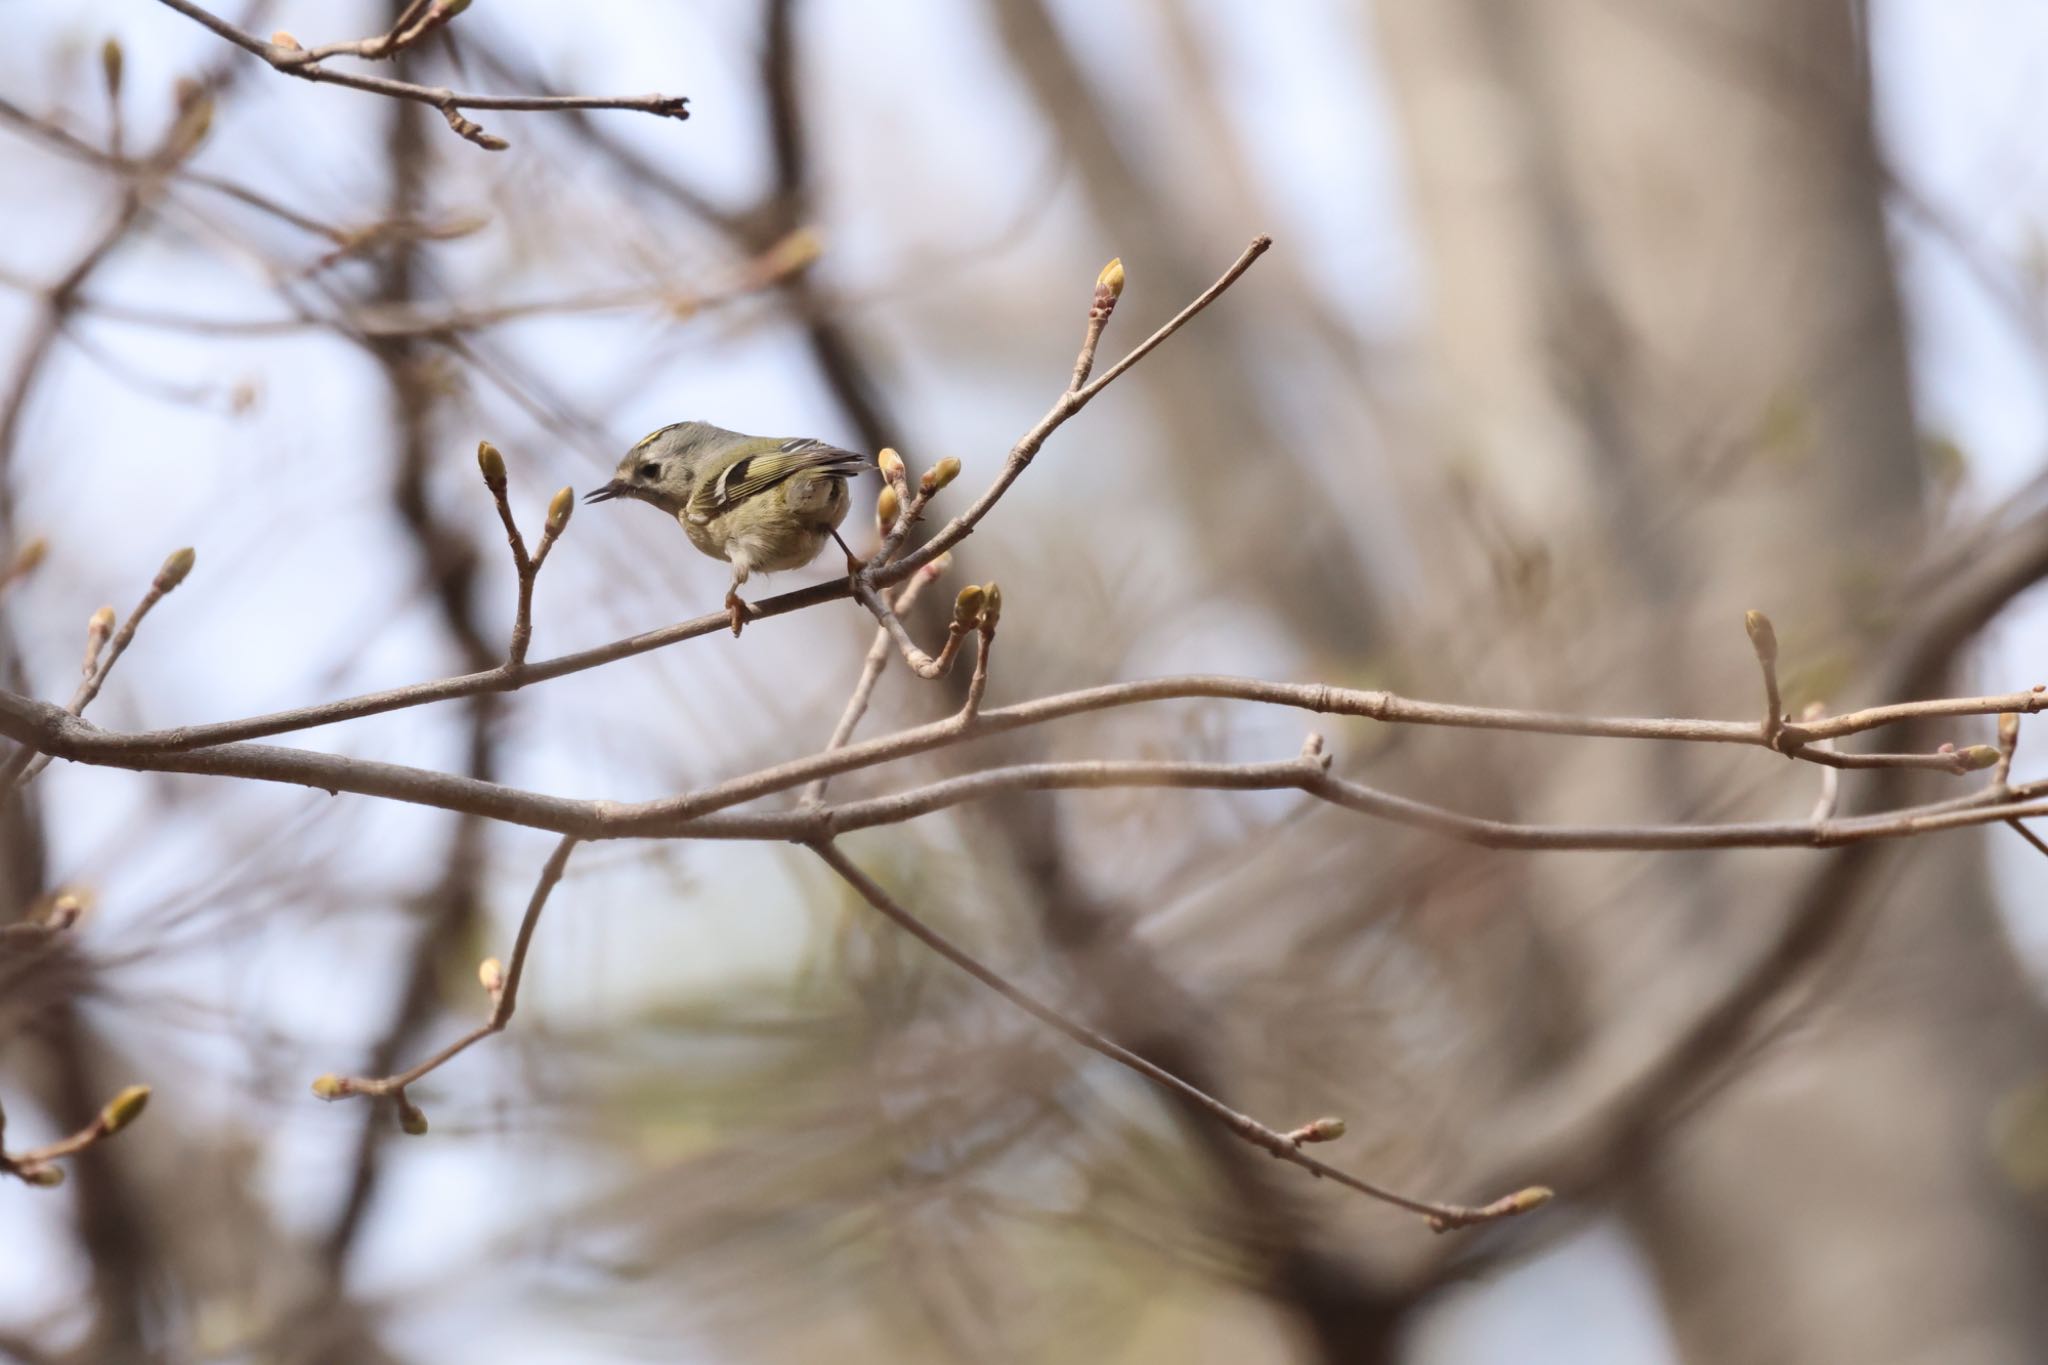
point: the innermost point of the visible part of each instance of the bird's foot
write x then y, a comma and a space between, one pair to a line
854, 563
737, 612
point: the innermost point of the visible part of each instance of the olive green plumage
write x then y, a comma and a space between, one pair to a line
758, 502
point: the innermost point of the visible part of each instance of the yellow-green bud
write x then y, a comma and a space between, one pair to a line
1762, 635
1976, 758
1111, 280
195, 117
939, 475
559, 508
792, 254
285, 40
490, 974
101, 622
887, 505
111, 62
175, 568
65, 909
1321, 1130
451, 8
411, 1118
330, 1087
45, 1176
967, 607
992, 605
891, 465
493, 465
123, 1109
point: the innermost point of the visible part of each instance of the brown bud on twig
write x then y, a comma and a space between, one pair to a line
97, 629
793, 253
939, 475
967, 607
195, 118
175, 568
123, 1109
559, 508
111, 61
412, 1120
1761, 635
492, 464
331, 1087
32, 554
1509, 1206
64, 911
1320, 1130
887, 505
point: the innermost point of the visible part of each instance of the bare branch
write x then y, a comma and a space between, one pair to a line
23, 766
700, 815
870, 673
504, 990
1286, 1147
525, 566
309, 64
35, 1165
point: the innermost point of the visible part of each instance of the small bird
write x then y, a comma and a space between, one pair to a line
758, 502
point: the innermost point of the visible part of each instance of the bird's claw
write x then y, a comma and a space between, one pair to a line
737, 612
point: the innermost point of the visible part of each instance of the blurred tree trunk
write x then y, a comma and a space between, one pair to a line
1669, 358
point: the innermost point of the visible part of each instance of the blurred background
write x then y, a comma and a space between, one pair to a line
1590, 324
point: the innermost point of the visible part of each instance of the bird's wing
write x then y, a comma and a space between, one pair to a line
766, 462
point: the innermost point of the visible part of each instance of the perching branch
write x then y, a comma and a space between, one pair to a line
1286, 1146
285, 54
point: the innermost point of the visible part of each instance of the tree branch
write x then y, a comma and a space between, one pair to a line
308, 64
503, 985
1285, 1146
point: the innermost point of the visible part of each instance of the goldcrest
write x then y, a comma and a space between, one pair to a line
758, 502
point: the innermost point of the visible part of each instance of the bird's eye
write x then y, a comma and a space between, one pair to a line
649, 471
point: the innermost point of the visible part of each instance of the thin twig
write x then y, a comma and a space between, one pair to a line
1441, 1216
308, 64
1072, 400
2028, 835
34, 1166
871, 671
525, 566
21, 767
1109, 287
1763, 637
504, 993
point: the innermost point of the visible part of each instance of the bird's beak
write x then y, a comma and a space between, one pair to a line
606, 493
